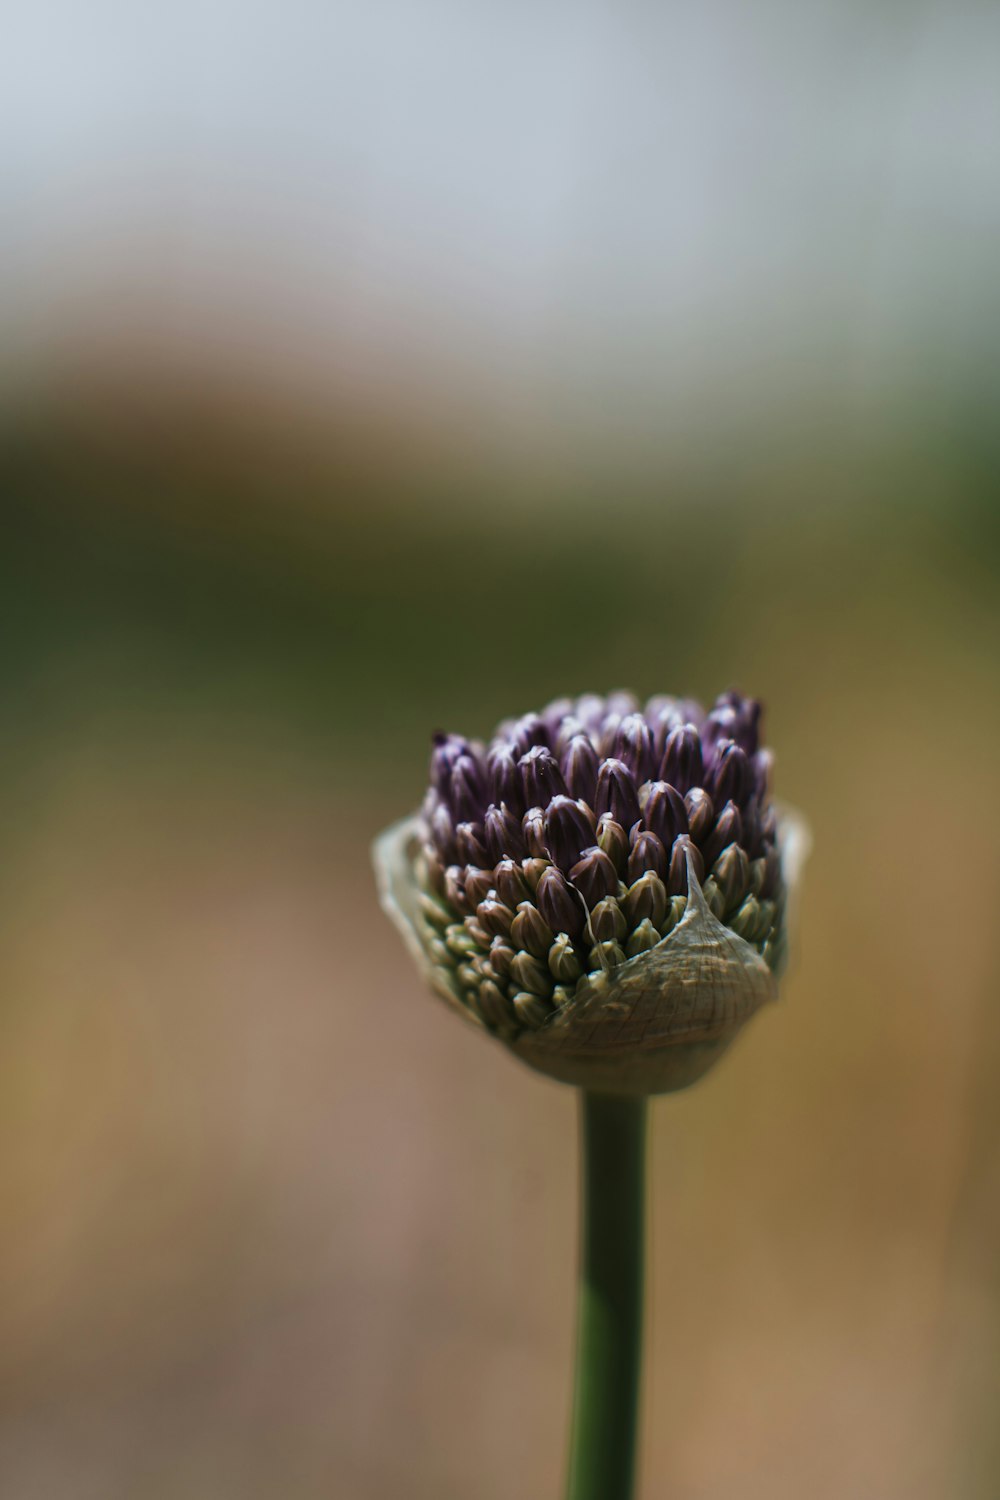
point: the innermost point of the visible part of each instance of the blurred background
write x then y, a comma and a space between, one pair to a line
369, 370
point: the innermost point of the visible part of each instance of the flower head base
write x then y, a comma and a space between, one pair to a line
603, 888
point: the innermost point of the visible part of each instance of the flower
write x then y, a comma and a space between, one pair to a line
605, 888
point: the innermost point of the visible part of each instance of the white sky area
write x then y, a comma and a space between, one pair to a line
587, 212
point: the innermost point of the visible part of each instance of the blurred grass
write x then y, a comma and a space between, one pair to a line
359, 614
272, 1223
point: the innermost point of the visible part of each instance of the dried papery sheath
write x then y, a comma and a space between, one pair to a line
605, 888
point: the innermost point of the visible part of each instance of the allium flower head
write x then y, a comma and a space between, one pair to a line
604, 887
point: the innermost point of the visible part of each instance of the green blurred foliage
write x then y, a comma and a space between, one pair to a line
366, 612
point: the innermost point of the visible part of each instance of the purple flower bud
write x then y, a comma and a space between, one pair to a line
568, 730
478, 884
505, 779
665, 813
590, 709
621, 703
501, 954
732, 718
682, 765
541, 777
616, 793
559, 904
667, 714
529, 731
612, 838
647, 853
744, 725
722, 724
511, 886
530, 975
532, 1010
480, 937
732, 875
731, 780
533, 869
530, 931
762, 766
569, 829
468, 790
565, 849
606, 956
633, 746
645, 900
772, 873
663, 715
658, 705
644, 937
564, 965
495, 917
607, 923
454, 889
677, 876
553, 715
692, 712
607, 734
594, 877
752, 840
533, 824
442, 832
471, 848
728, 830
701, 813
503, 834
580, 763
516, 824
448, 748
495, 1009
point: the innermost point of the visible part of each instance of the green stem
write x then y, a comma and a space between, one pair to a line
602, 1450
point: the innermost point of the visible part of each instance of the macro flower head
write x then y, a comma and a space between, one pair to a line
603, 886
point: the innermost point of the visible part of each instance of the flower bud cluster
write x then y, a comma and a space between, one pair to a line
562, 849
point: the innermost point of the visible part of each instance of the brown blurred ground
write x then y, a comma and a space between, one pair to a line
273, 1223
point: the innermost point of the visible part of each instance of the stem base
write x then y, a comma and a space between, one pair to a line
602, 1456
